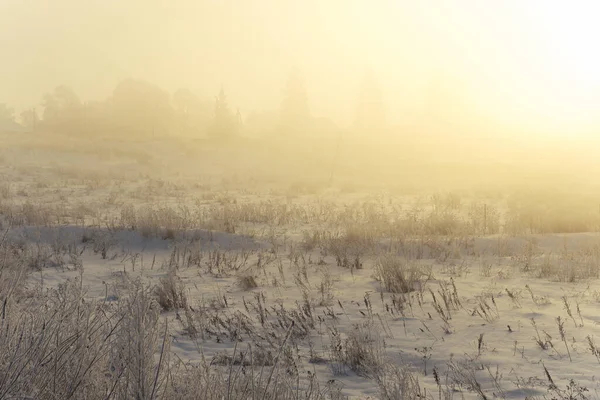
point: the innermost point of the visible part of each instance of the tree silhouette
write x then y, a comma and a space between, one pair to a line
30, 119
63, 110
6, 113
224, 125
60, 102
138, 107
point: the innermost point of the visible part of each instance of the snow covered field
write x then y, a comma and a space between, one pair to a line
190, 282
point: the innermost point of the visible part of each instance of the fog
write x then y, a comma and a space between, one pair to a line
445, 76
285, 199
250, 47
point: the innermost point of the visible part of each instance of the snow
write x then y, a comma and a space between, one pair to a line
514, 352
499, 280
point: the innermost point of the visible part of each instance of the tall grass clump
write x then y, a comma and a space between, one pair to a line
170, 292
398, 383
397, 276
136, 371
56, 344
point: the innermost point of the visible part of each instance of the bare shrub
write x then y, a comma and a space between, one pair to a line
157, 221
397, 276
102, 242
128, 217
442, 223
484, 219
313, 239
350, 246
53, 345
247, 282
398, 383
5, 190
542, 212
364, 349
325, 289
464, 375
448, 201
243, 377
35, 214
170, 292
134, 368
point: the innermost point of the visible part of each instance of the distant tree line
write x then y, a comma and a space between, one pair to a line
137, 108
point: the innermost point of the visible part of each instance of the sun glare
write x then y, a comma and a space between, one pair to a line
571, 33
558, 67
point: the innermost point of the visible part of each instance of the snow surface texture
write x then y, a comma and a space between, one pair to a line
469, 314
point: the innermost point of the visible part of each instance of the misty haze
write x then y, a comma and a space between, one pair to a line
318, 199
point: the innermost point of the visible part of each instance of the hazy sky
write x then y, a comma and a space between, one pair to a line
523, 62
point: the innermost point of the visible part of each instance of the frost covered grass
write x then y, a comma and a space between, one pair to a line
118, 288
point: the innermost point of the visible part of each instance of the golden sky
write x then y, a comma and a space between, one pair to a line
526, 64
